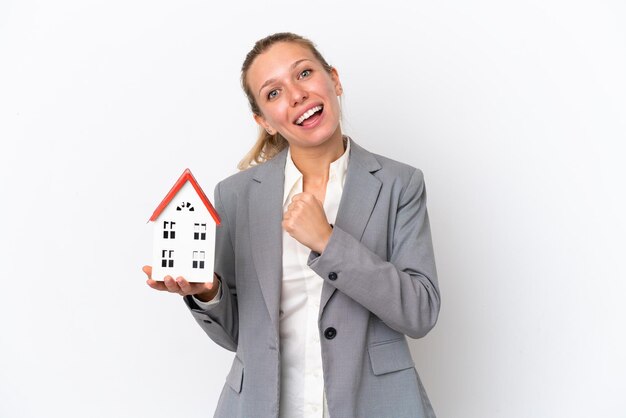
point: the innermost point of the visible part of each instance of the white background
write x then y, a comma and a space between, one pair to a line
515, 111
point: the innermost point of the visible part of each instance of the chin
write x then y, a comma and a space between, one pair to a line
318, 136
314, 140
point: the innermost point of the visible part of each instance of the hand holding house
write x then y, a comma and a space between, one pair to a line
184, 233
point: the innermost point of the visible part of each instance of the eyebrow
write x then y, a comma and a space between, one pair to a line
271, 80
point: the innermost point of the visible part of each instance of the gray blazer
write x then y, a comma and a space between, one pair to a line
380, 284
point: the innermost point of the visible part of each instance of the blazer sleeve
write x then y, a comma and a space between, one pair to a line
403, 292
220, 320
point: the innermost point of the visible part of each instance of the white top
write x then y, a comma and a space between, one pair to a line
302, 380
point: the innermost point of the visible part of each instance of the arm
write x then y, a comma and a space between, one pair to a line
403, 292
220, 320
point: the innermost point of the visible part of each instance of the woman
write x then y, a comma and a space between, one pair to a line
323, 261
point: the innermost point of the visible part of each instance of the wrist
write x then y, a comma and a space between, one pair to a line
325, 239
208, 294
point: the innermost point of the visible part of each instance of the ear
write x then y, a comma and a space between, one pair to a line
260, 120
334, 75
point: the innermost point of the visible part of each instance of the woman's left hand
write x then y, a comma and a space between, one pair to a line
306, 221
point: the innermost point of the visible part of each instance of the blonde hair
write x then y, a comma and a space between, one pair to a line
266, 145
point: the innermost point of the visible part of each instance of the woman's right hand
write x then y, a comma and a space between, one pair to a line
203, 291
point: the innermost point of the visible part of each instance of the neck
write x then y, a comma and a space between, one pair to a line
314, 163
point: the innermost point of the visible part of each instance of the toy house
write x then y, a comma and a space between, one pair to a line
184, 233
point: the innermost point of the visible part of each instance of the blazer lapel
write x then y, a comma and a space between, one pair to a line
358, 199
266, 214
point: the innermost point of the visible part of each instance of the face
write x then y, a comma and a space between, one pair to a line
296, 95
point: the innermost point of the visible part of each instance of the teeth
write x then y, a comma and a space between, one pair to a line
308, 114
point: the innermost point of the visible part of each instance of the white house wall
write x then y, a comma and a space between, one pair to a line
184, 244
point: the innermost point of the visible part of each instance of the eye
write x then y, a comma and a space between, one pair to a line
272, 94
305, 73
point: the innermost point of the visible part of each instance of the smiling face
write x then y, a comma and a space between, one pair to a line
297, 97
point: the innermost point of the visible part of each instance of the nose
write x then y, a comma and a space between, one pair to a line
298, 95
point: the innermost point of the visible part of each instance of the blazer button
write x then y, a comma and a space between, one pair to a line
332, 276
330, 333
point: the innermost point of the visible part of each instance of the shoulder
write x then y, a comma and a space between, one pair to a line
405, 182
270, 170
239, 187
388, 170
228, 190
237, 180
395, 169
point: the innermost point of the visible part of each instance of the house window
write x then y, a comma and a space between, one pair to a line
185, 206
168, 230
198, 259
199, 231
167, 258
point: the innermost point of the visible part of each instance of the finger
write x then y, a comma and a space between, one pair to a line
295, 206
148, 271
307, 197
156, 285
294, 211
288, 226
184, 285
171, 285
302, 199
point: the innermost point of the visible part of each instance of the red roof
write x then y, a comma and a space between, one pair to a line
186, 177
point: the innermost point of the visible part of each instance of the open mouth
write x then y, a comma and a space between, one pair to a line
310, 116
